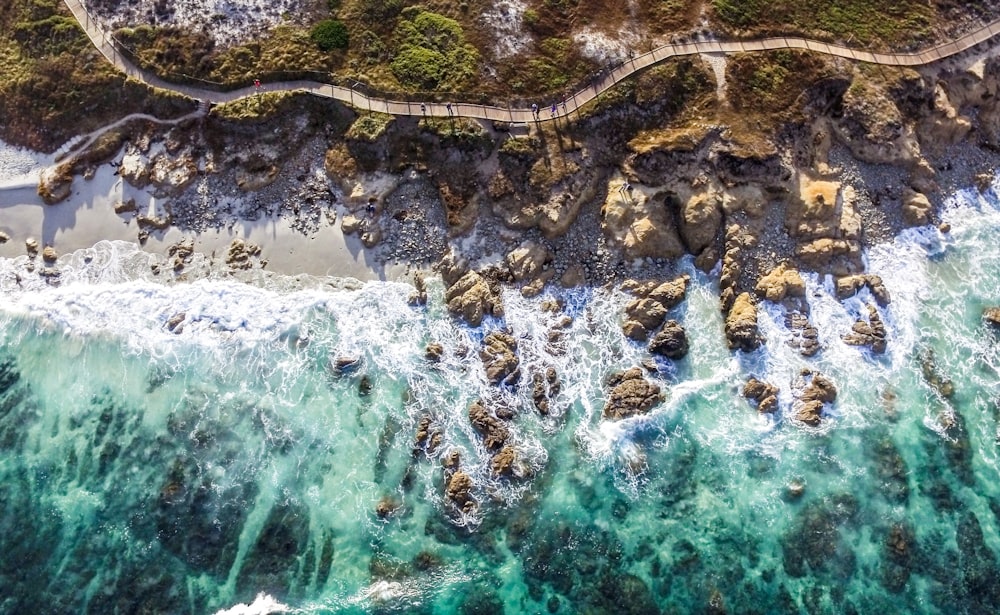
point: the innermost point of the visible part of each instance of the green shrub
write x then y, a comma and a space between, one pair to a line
330, 34
432, 52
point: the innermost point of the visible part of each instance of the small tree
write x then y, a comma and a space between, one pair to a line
330, 34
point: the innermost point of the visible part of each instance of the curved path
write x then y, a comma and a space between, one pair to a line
105, 45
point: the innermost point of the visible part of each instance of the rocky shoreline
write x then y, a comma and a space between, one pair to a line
621, 193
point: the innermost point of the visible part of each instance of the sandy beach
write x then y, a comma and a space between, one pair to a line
88, 216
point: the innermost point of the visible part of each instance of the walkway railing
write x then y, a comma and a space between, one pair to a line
364, 97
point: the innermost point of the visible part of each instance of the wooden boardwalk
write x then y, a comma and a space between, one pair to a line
103, 42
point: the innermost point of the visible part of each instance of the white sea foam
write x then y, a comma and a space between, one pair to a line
263, 604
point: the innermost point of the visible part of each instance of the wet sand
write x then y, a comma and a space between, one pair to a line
88, 216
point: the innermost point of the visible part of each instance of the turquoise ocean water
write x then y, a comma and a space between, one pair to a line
146, 471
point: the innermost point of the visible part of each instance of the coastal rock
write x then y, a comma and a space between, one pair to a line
871, 333
805, 336
763, 393
507, 464
428, 436
992, 316
528, 261
31, 245
4, 237
916, 208
55, 184
433, 352
839, 256
631, 395
814, 392
49, 255
816, 212
700, 220
848, 286
491, 429
239, 254
499, 356
671, 293
459, 491
544, 388
782, 281
647, 312
419, 294
671, 341
741, 325
471, 298
640, 226
351, 224
175, 323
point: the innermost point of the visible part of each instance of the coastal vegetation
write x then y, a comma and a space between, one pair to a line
54, 84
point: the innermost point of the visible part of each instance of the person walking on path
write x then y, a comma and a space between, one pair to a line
534, 110
423, 109
256, 84
449, 109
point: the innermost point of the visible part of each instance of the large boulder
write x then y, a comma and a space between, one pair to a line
499, 356
528, 261
741, 324
700, 220
671, 341
992, 316
640, 225
631, 395
916, 208
471, 298
782, 281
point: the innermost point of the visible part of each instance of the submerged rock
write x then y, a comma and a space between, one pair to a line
631, 395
